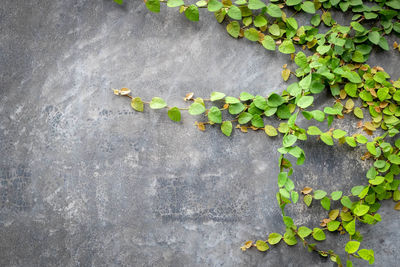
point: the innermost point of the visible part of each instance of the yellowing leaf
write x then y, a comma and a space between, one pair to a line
270, 130
349, 104
397, 206
137, 104
286, 74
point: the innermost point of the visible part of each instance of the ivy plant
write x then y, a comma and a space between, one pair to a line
333, 62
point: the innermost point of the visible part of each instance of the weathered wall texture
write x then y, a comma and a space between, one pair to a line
86, 181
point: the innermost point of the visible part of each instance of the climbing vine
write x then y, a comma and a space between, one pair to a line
333, 61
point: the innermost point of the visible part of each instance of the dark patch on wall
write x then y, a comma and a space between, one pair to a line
206, 198
14, 182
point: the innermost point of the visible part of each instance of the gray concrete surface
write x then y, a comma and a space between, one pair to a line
86, 181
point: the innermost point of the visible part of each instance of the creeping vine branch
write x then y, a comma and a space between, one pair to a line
336, 64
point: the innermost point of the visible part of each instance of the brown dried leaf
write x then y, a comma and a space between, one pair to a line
243, 128
397, 206
200, 125
189, 96
124, 91
306, 190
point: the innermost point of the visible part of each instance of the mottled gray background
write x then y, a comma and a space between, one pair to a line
86, 181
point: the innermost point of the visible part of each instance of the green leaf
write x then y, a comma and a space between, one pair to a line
314, 130
352, 247
270, 130
216, 96
274, 30
119, 2
244, 96
288, 221
292, 23
176, 3
137, 104
358, 113
261, 245
336, 195
268, 43
293, 2
290, 239
326, 203
319, 194
256, 4
234, 12
315, 20
245, 117
226, 128
308, 199
153, 5
260, 102
294, 89
358, 57
356, 190
367, 254
318, 115
196, 109
174, 114
251, 34
383, 43
289, 140
231, 100
360, 210
192, 13
305, 101
337, 134
282, 178
374, 37
236, 108
301, 60
214, 115
304, 231
287, 47
333, 225
295, 196
308, 7
275, 100
257, 121
305, 83
394, 159
274, 238
323, 49
318, 234
327, 139
260, 21
157, 103
346, 202
357, 26
233, 29
393, 4
274, 11
213, 5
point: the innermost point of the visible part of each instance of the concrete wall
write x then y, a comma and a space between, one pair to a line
86, 181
